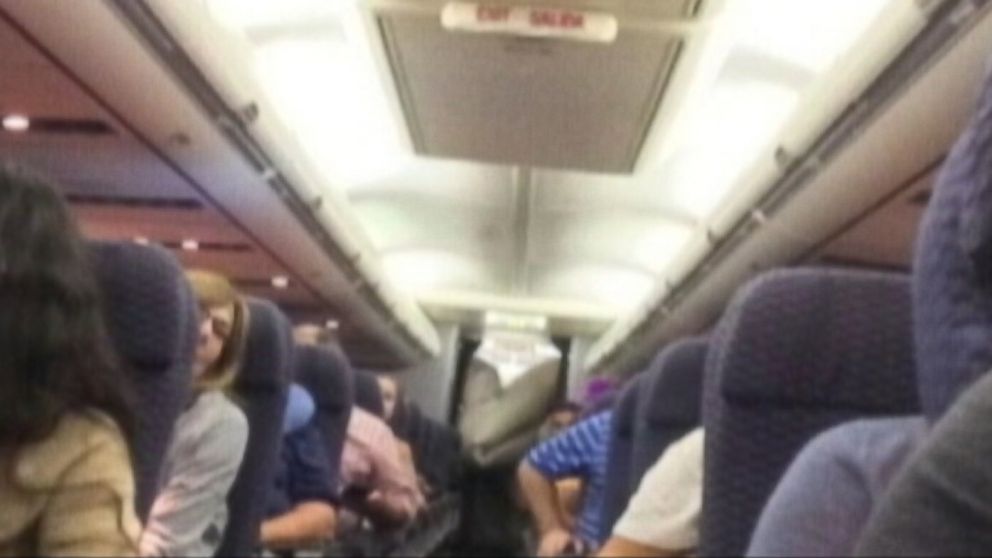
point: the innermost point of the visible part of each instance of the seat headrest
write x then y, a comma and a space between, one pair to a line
676, 377
625, 415
817, 338
952, 281
325, 374
368, 396
268, 352
149, 304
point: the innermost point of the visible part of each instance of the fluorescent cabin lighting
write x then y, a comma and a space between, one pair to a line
811, 34
190, 245
16, 123
737, 122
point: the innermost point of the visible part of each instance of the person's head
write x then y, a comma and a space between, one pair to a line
223, 331
599, 394
561, 417
56, 356
390, 389
314, 335
564, 415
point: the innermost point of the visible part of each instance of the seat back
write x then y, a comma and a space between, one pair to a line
617, 490
368, 396
153, 321
952, 281
261, 390
326, 377
797, 352
673, 396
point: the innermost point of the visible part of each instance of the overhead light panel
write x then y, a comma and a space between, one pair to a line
190, 245
16, 123
280, 282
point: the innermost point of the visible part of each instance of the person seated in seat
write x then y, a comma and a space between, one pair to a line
190, 512
392, 393
372, 467
580, 451
662, 519
66, 479
301, 505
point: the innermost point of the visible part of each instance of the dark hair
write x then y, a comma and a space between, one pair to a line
55, 353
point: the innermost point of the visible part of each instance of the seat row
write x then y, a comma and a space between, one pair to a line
153, 319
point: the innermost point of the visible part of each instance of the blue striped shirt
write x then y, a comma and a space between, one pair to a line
581, 451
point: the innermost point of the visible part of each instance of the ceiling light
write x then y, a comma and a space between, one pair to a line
340, 114
417, 272
736, 124
16, 123
142, 240
280, 282
812, 34
190, 245
332, 324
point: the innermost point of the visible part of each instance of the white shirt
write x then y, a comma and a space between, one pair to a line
664, 513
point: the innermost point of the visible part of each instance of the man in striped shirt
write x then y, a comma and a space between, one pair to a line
581, 451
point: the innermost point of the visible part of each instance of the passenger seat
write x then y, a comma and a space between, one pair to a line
261, 389
153, 321
798, 351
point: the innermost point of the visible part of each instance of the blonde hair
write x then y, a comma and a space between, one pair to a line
213, 289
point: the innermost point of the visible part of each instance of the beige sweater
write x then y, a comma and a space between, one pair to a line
70, 495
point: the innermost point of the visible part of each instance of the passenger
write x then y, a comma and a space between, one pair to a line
66, 480
569, 490
561, 417
392, 393
190, 513
581, 451
662, 518
599, 395
300, 511
372, 465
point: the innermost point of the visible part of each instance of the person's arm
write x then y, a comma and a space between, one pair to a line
91, 511
662, 518
567, 455
542, 500
196, 489
569, 500
395, 497
313, 519
619, 547
308, 523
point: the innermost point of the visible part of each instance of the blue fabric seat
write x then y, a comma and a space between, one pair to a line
952, 319
153, 321
671, 408
798, 351
260, 389
325, 376
618, 489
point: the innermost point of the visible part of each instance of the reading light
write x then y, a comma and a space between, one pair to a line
141, 240
280, 282
16, 123
190, 245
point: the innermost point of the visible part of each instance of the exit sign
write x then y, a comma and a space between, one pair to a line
530, 21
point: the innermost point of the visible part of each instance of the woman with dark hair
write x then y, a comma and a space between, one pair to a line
190, 513
66, 478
